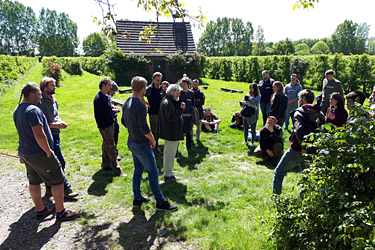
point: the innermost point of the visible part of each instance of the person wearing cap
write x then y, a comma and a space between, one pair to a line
330, 85
105, 119
50, 109
114, 89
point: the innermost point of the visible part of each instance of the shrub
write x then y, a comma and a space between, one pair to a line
336, 208
52, 69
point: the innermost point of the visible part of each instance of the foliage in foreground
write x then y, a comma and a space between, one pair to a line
336, 208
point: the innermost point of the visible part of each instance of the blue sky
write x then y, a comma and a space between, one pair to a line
276, 17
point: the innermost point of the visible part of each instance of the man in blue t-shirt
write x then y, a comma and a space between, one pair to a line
105, 119
35, 150
141, 142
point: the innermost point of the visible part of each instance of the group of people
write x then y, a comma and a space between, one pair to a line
170, 108
171, 111
279, 104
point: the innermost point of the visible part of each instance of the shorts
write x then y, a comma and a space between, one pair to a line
41, 168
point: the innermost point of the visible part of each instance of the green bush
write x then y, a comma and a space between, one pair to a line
12, 67
52, 69
335, 209
94, 65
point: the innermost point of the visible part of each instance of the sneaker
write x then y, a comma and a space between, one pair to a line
244, 142
251, 144
166, 206
67, 215
170, 178
69, 193
47, 211
139, 202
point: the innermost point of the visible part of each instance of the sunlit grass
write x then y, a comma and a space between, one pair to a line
223, 192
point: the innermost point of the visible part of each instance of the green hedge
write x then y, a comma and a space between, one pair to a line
355, 72
72, 65
12, 67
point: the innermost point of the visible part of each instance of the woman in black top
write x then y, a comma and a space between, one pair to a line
279, 103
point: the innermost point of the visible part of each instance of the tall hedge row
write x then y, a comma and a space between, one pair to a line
12, 67
356, 72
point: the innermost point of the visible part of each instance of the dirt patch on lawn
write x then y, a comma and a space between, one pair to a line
120, 228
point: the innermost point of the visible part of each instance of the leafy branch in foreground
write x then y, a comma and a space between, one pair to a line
162, 8
305, 4
336, 207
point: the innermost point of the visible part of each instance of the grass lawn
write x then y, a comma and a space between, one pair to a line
223, 192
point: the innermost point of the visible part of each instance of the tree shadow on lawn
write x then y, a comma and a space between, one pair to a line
24, 233
194, 157
140, 233
101, 180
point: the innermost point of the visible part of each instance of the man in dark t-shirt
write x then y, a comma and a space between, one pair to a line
210, 121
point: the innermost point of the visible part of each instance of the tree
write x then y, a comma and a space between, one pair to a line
226, 37
259, 45
94, 45
57, 34
285, 47
18, 28
302, 49
310, 42
350, 37
371, 48
320, 48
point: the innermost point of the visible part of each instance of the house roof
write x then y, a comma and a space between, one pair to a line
169, 37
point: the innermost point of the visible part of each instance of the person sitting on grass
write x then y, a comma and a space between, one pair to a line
270, 141
210, 121
238, 120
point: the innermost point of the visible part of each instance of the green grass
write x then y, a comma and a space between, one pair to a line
223, 192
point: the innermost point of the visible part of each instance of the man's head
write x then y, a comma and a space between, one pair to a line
31, 93
207, 110
105, 85
156, 78
353, 97
174, 91
114, 88
139, 84
48, 85
185, 82
271, 120
293, 78
265, 75
164, 86
305, 96
329, 74
195, 84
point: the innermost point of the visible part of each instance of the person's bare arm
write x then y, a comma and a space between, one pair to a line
150, 136
41, 139
146, 103
58, 124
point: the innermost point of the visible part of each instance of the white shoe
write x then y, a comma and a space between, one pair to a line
251, 144
244, 142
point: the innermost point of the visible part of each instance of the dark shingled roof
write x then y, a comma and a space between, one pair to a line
169, 38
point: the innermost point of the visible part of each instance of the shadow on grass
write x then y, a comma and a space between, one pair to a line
194, 157
25, 233
140, 233
101, 180
175, 191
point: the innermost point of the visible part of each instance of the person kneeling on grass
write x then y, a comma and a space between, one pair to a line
210, 121
306, 119
141, 143
270, 141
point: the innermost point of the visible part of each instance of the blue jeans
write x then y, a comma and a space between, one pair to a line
187, 125
287, 163
265, 108
144, 160
288, 110
280, 122
59, 155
